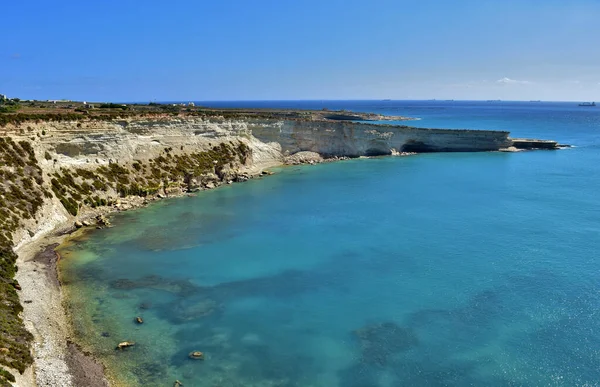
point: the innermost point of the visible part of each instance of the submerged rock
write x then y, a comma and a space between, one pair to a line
152, 373
380, 341
139, 320
124, 283
188, 310
182, 287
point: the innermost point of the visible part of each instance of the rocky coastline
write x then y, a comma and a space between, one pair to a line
74, 174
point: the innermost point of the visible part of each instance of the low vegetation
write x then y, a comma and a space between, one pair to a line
24, 188
21, 195
103, 185
21, 186
16, 113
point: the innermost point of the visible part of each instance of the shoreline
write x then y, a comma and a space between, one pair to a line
57, 361
58, 358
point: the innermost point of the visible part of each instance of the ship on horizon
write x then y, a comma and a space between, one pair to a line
587, 104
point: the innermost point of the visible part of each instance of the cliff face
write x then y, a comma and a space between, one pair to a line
158, 153
140, 139
361, 139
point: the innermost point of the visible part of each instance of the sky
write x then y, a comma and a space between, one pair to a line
200, 50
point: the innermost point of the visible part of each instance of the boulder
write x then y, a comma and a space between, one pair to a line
85, 223
125, 344
304, 157
102, 221
139, 320
78, 224
196, 355
240, 178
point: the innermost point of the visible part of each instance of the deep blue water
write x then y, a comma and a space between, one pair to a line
434, 270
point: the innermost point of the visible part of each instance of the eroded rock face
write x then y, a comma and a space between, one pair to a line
353, 139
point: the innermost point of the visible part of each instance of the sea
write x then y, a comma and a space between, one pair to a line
441, 269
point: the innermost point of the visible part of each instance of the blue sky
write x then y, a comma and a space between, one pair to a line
284, 49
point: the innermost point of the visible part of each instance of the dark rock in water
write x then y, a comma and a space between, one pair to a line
240, 178
192, 309
359, 374
105, 334
151, 373
124, 284
380, 341
102, 221
182, 287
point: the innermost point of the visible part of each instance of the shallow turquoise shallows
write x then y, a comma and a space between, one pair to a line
462, 269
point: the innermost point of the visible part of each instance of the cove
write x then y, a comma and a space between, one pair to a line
437, 269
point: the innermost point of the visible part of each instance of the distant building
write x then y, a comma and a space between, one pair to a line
191, 104
3, 97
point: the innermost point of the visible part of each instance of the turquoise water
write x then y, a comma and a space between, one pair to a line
431, 270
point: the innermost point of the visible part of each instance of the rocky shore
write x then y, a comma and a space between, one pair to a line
60, 176
58, 360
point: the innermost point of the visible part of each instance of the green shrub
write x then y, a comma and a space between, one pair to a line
5, 375
69, 205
